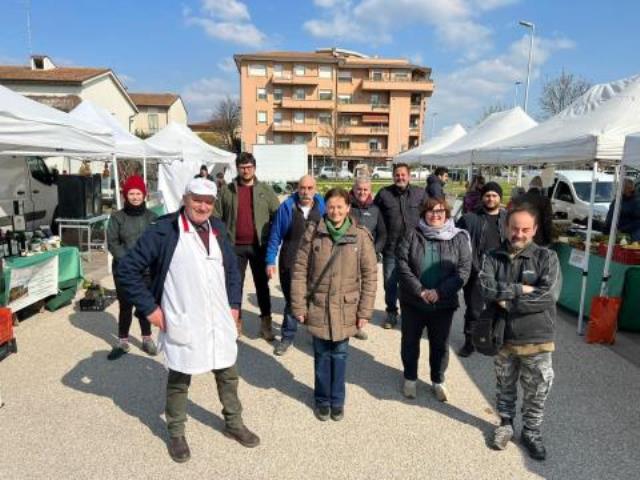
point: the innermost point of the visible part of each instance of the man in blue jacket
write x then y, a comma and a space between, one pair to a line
287, 230
194, 299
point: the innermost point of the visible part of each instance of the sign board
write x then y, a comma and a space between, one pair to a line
29, 284
577, 258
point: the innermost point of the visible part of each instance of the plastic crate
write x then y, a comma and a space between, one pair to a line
6, 325
92, 304
627, 256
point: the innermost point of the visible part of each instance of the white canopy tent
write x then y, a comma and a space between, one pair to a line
495, 127
31, 128
173, 177
445, 137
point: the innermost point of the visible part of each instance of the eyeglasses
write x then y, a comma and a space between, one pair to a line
440, 211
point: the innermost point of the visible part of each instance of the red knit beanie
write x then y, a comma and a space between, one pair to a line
134, 182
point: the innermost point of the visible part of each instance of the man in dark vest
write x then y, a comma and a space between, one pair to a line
286, 232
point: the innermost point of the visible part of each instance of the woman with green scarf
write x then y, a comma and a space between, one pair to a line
333, 289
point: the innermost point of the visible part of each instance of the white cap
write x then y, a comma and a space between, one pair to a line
201, 186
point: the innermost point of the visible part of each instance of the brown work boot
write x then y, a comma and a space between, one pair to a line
265, 328
243, 436
179, 449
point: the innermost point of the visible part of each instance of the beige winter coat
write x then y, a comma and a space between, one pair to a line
346, 292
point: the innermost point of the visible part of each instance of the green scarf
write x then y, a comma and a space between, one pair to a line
337, 233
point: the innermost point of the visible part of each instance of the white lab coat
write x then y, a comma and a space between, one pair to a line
200, 331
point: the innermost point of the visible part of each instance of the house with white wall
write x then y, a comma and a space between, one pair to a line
157, 110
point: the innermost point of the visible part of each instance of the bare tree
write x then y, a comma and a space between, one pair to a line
491, 109
558, 93
226, 122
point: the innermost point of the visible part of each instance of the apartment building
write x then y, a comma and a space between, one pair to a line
342, 104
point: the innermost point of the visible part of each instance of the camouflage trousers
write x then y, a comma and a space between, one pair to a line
536, 376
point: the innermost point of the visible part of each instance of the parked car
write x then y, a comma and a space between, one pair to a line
420, 173
334, 173
571, 192
382, 172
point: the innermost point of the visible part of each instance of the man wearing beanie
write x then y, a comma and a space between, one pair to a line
487, 229
125, 227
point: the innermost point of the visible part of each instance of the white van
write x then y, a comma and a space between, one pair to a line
30, 180
571, 193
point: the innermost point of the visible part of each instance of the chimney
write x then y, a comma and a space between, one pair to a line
41, 62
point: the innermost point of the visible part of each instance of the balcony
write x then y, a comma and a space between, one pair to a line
398, 85
362, 130
362, 152
307, 104
415, 108
288, 126
363, 108
288, 79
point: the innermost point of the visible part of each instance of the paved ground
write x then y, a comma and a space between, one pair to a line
71, 414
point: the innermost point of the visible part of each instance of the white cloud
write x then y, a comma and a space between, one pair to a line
227, 65
202, 96
226, 20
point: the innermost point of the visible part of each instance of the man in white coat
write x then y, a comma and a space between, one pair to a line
194, 300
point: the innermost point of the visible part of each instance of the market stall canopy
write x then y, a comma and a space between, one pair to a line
631, 155
173, 177
31, 128
419, 154
495, 127
126, 144
591, 128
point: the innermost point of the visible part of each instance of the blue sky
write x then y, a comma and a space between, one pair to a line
475, 47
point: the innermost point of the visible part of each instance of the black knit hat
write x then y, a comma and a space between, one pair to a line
492, 187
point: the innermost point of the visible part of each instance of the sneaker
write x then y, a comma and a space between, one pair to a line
243, 436
322, 413
502, 435
409, 389
532, 440
441, 392
337, 413
361, 335
149, 347
179, 449
391, 320
281, 348
467, 349
118, 351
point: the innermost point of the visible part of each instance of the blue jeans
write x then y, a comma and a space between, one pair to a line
390, 274
330, 361
289, 325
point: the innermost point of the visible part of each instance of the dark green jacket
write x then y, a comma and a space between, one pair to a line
265, 205
124, 230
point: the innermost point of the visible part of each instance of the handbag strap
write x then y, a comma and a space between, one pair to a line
314, 287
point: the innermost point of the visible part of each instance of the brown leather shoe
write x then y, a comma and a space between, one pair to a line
179, 449
243, 436
265, 328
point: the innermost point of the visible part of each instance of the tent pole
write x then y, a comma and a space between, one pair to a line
519, 179
116, 180
587, 249
144, 169
620, 171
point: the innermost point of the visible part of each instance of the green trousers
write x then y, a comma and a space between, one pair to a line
177, 393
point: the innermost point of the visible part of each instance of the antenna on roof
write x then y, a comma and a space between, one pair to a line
28, 6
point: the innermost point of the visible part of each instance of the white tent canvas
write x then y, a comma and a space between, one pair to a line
445, 137
631, 155
173, 177
591, 128
31, 128
494, 128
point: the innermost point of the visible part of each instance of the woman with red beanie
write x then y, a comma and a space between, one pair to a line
125, 227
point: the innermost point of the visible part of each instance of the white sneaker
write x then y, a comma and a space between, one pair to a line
409, 389
441, 392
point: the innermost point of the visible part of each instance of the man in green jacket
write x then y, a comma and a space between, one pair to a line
247, 206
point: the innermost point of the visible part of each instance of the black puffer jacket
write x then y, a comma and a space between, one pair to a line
369, 216
401, 212
435, 187
455, 266
530, 318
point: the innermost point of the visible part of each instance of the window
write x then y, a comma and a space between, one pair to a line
344, 99
152, 119
262, 94
261, 139
375, 99
416, 99
376, 75
345, 120
401, 75
257, 70
323, 142
277, 70
277, 118
298, 117
563, 193
324, 118
344, 143
299, 70
374, 144
40, 171
604, 191
325, 71
344, 76
262, 117
325, 94
299, 94
300, 139
277, 94
277, 139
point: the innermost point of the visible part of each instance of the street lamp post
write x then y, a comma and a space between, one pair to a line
531, 26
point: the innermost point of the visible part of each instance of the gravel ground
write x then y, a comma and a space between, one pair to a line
70, 413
